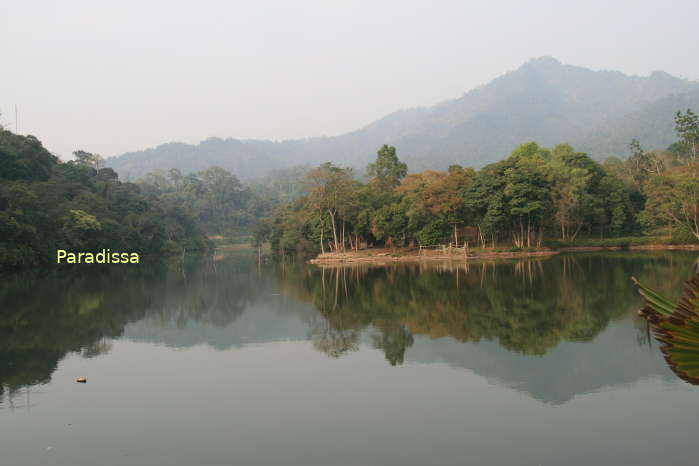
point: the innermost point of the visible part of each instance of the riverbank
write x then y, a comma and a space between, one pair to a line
383, 255
377, 255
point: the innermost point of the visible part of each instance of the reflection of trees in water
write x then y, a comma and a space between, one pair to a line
20, 398
529, 306
46, 315
332, 340
214, 293
96, 348
393, 338
643, 333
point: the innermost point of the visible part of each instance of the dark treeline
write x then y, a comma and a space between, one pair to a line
79, 205
535, 195
46, 204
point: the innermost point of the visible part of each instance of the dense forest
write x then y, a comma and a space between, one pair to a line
535, 197
536, 194
214, 198
46, 204
80, 205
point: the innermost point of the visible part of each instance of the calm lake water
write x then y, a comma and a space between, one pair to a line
220, 362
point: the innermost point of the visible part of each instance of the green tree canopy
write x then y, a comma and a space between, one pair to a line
387, 170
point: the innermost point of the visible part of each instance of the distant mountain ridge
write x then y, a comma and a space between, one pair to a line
599, 112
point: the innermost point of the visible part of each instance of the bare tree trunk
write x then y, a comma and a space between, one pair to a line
344, 283
322, 248
343, 235
332, 221
337, 286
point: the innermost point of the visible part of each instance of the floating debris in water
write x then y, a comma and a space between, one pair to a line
81, 380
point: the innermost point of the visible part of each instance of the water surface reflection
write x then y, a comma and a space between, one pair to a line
535, 362
528, 324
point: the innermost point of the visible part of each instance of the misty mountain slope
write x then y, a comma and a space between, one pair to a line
234, 155
543, 100
653, 125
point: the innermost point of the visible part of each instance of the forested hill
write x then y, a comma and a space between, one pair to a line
543, 100
46, 205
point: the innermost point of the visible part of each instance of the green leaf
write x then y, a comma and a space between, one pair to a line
676, 326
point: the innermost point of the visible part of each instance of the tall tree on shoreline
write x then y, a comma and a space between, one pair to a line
387, 171
329, 189
687, 128
673, 199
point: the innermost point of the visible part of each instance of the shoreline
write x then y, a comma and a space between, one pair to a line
374, 256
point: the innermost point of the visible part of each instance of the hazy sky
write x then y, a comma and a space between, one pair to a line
110, 77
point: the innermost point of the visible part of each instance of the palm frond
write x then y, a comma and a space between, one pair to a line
676, 326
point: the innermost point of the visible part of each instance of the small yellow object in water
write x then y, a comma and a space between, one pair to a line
81, 380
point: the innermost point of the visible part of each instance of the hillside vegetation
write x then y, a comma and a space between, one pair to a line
599, 112
533, 195
47, 205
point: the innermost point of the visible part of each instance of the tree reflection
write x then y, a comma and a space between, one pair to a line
528, 306
46, 315
393, 338
333, 340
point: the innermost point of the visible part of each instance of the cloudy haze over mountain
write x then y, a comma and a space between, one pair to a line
544, 100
